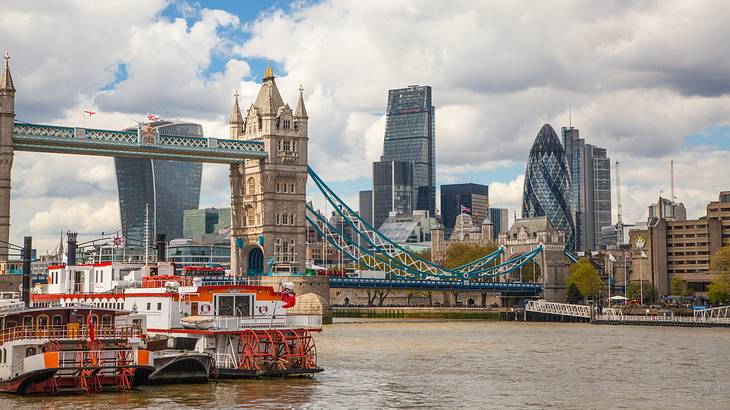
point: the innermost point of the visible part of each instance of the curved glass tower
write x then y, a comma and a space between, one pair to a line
547, 184
168, 188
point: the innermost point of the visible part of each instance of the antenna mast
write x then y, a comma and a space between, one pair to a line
671, 178
619, 210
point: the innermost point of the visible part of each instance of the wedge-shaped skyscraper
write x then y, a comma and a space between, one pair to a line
547, 184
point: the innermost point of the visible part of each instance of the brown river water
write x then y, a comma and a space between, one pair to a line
468, 364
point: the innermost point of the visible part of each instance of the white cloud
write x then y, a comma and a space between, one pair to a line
498, 71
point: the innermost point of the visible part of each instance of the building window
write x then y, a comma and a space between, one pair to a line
149, 306
287, 124
291, 219
285, 186
291, 188
251, 186
278, 187
159, 305
287, 145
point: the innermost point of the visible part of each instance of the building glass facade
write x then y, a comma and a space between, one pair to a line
198, 222
590, 183
473, 197
184, 252
167, 188
547, 184
500, 221
410, 136
393, 189
365, 199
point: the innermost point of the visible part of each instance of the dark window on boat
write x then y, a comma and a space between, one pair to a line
149, 306
11, 323
159, 305
42, 321
106, 320
30, 351
239, 305
56, 320
27, 320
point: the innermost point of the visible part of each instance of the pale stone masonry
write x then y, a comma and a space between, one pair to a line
7, 117
268, 195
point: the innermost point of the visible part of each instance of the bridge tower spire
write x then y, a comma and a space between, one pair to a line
268, 229
7, 117
236, 119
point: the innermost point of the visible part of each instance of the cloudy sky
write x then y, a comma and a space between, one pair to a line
648, 80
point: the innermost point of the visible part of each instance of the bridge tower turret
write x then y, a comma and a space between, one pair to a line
7, 117
268, 224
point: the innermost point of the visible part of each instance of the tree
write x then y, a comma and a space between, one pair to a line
719, 290
574, 295
424, 254
585, 278
458, 254
679, 286
634, 292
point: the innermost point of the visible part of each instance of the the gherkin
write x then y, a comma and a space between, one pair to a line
547, 184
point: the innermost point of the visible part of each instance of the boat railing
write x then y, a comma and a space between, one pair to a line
268, 322
12, 306
309, 322
250, 322
226, 361
68, 332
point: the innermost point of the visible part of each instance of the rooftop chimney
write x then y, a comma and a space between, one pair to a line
160, 247
71, 248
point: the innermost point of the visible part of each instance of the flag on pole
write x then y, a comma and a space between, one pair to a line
90, 112
611, 257
152, 117
465, 208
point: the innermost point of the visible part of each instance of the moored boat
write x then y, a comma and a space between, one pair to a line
74, 348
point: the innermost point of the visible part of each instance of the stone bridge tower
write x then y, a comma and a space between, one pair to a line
525, 235
267, 196
7, 117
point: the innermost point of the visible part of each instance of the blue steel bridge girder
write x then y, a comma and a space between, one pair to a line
393, 259
70, 140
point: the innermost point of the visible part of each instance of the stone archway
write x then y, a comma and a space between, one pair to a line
254, 261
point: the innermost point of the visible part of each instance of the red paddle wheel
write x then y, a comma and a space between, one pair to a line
304, 350
255, 349
282, 351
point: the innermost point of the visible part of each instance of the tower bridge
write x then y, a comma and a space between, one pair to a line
267, 152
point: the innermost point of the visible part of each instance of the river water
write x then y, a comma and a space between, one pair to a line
469, 364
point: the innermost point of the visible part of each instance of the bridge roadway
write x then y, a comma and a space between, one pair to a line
88, 141
507, 287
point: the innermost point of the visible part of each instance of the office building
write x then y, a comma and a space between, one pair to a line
185, 252
366, 205
392, 189
410, 136
165, 188
199, 222
500, 221
681, 248
547, 185
414, 228
590, 188
472, 199
668, 209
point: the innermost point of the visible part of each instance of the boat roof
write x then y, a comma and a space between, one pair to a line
19, 309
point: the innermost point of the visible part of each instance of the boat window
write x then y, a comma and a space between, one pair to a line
80, 319
238, 305
30, 351
106, 320
95, 319
43, 321
159, 305
56, 320
11, 323
27, 320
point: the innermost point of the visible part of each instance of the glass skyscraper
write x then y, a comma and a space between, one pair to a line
166, 188
547, 184
410, 136
590, 189
392, 189
473, 199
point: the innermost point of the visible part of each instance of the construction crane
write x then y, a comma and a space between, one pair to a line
620, 223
